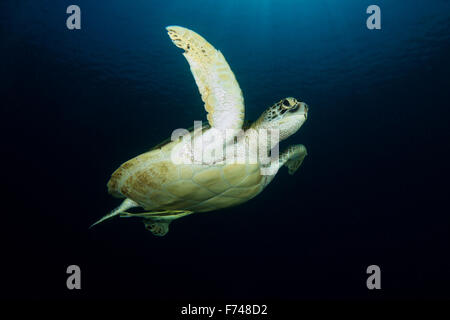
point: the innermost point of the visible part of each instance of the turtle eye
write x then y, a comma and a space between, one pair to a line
286, 103
293, 109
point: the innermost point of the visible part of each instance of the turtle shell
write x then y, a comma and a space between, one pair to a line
154, 182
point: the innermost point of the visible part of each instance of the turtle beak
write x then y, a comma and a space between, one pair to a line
304, 109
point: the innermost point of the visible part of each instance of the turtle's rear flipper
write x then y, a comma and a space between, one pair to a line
126, 204
159, 228
158, 221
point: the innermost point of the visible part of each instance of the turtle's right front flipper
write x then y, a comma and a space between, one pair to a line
293, 157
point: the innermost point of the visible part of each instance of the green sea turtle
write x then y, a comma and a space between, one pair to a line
168, 182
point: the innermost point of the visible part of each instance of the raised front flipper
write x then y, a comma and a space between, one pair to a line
216, 82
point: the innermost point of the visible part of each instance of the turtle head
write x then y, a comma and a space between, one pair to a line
287, 115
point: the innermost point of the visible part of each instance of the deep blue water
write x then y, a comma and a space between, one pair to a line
373, 189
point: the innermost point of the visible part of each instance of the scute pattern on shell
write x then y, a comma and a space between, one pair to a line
155, 183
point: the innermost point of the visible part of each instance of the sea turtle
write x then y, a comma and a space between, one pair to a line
168, 187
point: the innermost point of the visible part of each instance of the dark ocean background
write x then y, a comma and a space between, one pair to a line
374, 189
